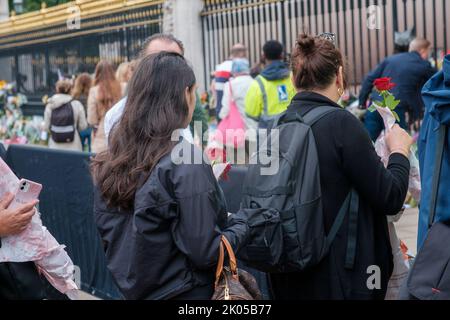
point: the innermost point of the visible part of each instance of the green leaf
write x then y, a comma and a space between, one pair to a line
379, 103
391, 103
396, 116
372, 108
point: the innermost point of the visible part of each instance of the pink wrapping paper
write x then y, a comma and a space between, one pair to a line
37, 244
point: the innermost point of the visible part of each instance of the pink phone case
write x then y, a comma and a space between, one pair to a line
28, 191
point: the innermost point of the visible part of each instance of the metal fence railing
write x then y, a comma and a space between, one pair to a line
35, 59
252, 22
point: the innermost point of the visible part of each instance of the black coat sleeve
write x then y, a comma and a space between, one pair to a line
202, 217
383, 188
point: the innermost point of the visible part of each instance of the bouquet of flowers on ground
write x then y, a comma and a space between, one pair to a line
386, 108
350, 102
12, 122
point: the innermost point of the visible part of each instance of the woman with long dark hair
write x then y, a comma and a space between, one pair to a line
105, 93
160, 220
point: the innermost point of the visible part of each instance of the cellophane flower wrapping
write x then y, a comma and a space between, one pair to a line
401, 266
36, 244
383, 151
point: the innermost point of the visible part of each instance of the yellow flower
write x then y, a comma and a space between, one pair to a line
2, 84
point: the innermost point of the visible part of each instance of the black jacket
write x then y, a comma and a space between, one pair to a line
167, 248
347, 159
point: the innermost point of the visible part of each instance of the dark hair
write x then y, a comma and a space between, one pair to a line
273, 50
159, 36
155, 108
315, 63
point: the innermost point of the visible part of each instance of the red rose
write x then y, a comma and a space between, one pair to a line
384, 84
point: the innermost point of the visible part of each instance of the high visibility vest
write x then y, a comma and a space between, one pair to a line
267, 99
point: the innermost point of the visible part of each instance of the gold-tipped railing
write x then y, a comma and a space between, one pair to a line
59, 14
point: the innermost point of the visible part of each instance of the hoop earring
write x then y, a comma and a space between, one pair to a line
341, 92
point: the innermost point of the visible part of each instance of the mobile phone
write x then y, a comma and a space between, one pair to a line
28, 191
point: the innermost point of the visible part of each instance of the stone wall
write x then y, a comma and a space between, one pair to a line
4, 10
182, 19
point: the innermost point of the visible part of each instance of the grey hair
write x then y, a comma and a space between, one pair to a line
159, 36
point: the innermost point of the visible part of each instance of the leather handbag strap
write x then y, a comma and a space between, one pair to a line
437, 172
231, 256
225, 244
219, 264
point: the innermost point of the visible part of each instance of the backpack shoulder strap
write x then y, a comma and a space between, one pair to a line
264, 94
310, 118
350, 207
437, 172
317, 113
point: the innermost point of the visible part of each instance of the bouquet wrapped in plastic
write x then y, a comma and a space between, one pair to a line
382, 150
386, 109
36, 244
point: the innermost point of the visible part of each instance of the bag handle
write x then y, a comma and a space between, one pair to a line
437, 173
232, 260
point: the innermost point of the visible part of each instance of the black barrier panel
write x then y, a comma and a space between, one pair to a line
232, 188
66, 205
2, 152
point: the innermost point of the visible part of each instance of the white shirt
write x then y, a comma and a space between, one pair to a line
114, 115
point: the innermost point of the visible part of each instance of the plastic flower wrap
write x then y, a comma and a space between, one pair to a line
37, 244
386, 109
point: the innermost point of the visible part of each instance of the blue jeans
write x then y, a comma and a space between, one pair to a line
375, 125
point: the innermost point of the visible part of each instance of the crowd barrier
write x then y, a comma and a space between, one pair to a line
66, 205
232, 187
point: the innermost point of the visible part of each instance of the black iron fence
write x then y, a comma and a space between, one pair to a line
365, 28
35, 60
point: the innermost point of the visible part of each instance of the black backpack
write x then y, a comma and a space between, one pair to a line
284, 211
62, 124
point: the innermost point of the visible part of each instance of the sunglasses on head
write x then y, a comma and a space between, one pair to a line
328, 36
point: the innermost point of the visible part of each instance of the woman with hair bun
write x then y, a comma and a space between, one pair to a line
347, 160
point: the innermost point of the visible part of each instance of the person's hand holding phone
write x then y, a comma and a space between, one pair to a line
15, 221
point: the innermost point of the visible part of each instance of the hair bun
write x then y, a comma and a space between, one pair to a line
306, 44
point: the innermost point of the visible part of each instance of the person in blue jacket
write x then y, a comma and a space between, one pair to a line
436, 96
409, 70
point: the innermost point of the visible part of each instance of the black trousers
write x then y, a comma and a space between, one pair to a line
20, 281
